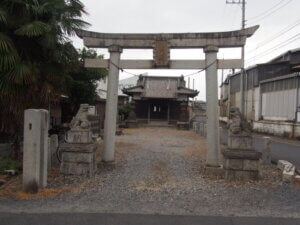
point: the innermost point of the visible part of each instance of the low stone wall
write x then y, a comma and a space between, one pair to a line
199, 128
277, 128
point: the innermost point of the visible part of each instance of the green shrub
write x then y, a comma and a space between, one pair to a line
6, 163
124, 110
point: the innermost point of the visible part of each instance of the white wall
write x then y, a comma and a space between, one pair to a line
256, 103
249, 104
127, 83
277, 128
279, 105
102, 88
124, 83
238, 99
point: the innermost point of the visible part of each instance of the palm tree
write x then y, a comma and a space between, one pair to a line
35, 55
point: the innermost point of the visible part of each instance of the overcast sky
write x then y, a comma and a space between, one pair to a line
279, 31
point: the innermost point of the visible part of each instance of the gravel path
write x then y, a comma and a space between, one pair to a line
159, 170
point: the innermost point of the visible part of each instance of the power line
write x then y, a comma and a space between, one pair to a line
279, 45
276, 36
283, 44
271, 50
261, 14
272, 12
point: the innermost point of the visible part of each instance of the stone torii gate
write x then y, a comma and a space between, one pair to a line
161, 45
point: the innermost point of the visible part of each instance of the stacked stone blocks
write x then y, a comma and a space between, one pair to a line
78, 159
241, 164
241, 161
79, 150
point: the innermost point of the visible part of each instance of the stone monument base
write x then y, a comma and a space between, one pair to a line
78, 159
240, 141
131, 123
241, 165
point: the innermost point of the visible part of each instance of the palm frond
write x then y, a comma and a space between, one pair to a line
21, 73
36, 28
39, 8
7, 61
69, 25
6, 44
8, 53
76, 8
3, 16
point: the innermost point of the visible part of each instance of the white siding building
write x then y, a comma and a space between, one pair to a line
272, 96
124, 83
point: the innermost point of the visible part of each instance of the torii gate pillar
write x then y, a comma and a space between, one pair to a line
111, 108
212, 111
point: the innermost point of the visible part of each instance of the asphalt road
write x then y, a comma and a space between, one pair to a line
131, 219
281, 150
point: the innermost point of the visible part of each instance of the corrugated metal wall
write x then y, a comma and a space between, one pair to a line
256, 103
279, 99
249, 104
279, 105
235, 83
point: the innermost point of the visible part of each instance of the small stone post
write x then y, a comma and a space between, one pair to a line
197, 127
212, 112
49, 158
266, 153
53, 148
35, 150
111, 105
201, 127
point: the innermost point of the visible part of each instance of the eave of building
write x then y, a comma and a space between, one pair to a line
258, 65
167, 98
132, 90
181, 90
187, 91
288, 76
163, 77
286, 53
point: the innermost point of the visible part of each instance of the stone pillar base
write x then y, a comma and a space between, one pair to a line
78, 159
241, 165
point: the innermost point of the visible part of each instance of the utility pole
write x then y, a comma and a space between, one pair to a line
243, 3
